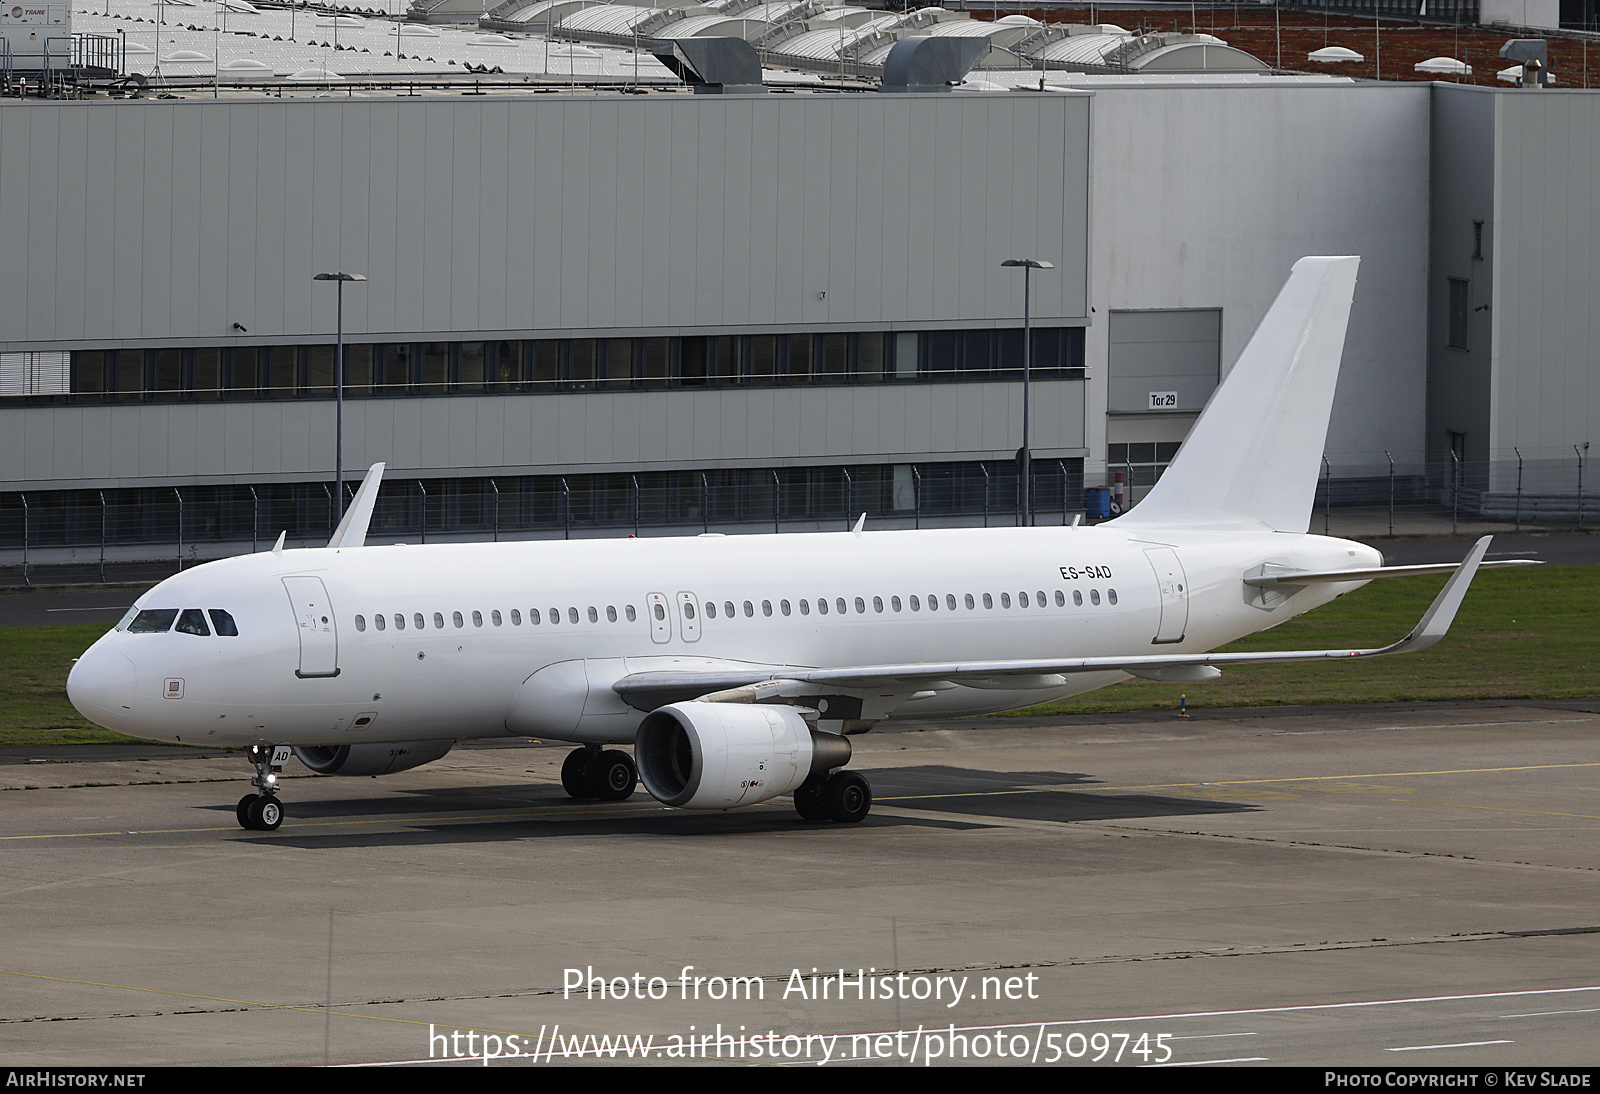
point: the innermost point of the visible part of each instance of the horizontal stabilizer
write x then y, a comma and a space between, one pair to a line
1294, 578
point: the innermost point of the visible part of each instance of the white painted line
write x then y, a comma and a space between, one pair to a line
1547, 1013
1459, 1044
1206, 1036
1203, 1063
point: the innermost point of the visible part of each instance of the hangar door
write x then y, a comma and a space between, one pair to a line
1163, 361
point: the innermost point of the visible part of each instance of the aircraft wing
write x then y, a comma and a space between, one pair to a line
759, 683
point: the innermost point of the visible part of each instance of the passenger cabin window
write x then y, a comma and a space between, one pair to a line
421, 623
361, 622
631, 614
193, 621
378, 619
438, 621
153, 621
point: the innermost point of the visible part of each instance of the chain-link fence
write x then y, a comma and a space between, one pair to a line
146, 533
1391, 495
135, 534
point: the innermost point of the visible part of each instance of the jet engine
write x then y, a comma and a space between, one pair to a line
371, 759
721, 755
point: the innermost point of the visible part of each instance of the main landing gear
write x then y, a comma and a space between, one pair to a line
262, 811
843, 796
608, 775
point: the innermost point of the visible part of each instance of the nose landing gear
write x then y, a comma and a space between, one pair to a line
262, 811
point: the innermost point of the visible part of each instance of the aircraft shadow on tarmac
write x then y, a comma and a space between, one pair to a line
954, 792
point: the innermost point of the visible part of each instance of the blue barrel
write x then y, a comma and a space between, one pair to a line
1097, 501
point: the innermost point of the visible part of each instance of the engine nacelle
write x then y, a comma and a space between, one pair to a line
371, 759
722, 755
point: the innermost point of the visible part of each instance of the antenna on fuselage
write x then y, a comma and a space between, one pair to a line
277, 548
860, 524
352, 530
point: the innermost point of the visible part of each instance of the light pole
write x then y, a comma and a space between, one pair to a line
338, 384
1025, 499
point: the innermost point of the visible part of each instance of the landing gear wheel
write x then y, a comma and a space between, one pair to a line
575, 774
847, 797
242, 811
613, 776
808, 801
265, 813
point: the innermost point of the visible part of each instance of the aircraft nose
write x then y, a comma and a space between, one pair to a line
101, 687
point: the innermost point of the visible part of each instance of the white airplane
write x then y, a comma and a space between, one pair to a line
738, 665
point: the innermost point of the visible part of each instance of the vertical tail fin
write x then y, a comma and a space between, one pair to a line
1253, 458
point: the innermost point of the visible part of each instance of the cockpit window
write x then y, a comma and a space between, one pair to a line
193, 621
153, 621
223, 624
122, 624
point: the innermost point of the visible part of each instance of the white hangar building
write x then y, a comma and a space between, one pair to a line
608, 311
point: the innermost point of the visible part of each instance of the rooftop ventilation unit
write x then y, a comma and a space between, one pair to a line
1534, 56
714, 66
922, 63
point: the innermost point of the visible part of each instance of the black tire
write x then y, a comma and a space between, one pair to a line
242, 810
613, 776
575, 774
808, 802
265, 813
847, 797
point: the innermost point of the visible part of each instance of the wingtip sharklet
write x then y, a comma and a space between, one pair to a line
352, 530
1436, 621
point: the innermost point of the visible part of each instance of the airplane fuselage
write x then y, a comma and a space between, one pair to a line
411, 643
